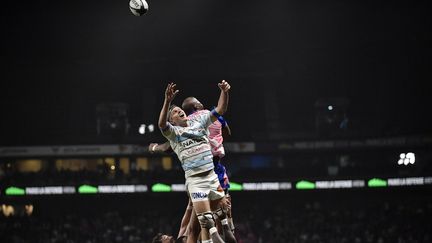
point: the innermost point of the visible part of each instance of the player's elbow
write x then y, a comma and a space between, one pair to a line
162, 125
227, 132
221, 110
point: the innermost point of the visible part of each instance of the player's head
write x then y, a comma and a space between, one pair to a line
191, 104
177, 116
161, 238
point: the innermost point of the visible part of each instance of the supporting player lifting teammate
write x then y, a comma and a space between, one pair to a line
190, 227
189, 140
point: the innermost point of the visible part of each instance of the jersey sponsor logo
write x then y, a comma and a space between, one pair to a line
198, 195
191, 142
198, 150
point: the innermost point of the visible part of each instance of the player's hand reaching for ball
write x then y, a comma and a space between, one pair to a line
171, 92
224, 86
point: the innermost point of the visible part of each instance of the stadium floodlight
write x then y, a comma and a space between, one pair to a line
411, 157
29, 209
8, 210
401, 158
330, 107
406, 158
142, 129
151, 128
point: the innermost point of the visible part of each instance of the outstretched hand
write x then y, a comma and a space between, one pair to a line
171, 92
224, 86
152, 147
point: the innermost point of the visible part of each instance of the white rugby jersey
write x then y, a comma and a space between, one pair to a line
191, 144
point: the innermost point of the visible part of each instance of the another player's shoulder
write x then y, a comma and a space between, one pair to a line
203, 112
198, 115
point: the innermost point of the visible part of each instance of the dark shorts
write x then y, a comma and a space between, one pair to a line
222, 175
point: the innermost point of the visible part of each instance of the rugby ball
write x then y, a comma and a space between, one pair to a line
138, 7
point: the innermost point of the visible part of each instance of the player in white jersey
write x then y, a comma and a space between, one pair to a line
189, 226
189, 140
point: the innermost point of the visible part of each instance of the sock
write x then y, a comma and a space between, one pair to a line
212, 231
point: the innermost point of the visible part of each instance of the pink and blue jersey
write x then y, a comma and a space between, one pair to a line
215, 134
217, 148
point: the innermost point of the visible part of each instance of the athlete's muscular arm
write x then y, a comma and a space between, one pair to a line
185, 220
209, 224
226, 131
216, 238
160, 148
223, 99
221, 214
228, 234
170, 93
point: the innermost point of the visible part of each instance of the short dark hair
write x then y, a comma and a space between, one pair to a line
157, 238
187, 106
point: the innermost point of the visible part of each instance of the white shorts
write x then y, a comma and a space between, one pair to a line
205, 187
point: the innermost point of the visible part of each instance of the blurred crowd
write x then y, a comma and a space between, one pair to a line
69, 177
176, 175
316, 223
259, 221
240, 168
71, 228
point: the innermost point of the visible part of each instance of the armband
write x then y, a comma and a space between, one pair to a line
222, 121
214, 113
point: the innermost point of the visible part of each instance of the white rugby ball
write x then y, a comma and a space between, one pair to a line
138, 7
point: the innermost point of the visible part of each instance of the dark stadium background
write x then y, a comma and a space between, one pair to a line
321, 91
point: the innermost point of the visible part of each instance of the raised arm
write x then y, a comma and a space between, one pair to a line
223, 100
226, 131
170, 93
185, 220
